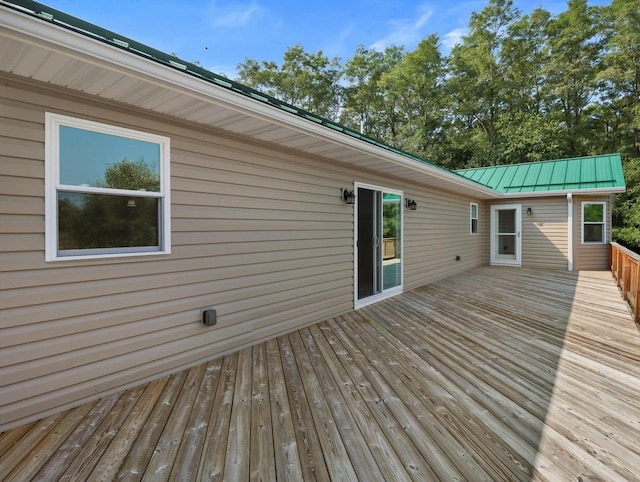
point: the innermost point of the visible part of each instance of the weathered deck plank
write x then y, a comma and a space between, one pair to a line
287, 461
496, 374
188, 455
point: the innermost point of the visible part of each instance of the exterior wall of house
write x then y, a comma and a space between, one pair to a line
591, 256
258, 232
544, 232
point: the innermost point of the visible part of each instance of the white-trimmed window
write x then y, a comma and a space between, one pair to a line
473, 218
107, 190
594, 225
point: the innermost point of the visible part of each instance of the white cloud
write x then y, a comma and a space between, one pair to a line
453, 37
236, 16
404, 32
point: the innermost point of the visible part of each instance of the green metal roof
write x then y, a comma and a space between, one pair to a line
595, 172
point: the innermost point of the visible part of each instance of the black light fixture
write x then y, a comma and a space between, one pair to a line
348, 196
529, 211
411, 204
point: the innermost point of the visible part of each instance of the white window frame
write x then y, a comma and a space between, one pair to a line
471, 219
604, 222
52, 186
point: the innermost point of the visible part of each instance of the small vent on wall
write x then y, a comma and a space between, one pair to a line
209, 316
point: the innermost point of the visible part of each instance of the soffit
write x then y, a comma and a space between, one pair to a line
37, 49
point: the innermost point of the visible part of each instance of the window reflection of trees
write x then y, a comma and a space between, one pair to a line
96, 220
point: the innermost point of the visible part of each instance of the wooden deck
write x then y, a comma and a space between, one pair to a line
496, 374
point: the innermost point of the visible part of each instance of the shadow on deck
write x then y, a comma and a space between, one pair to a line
495, 374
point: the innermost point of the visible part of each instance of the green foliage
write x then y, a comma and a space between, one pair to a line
626, 212
135, 176
368, 105
391, 218
415, 82
306, 80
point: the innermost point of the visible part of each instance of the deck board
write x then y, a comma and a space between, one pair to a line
495, 374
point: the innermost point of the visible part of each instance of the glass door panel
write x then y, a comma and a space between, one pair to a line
391, 240
378, 244
506, 234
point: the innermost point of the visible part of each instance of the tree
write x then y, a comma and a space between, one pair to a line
575, 44
478, 83
620, 105
305, 80
366, 105
135, 176
524, 56
626, 213
417, 81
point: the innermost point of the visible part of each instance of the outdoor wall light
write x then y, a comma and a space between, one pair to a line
411, 204
529, 211
348, 196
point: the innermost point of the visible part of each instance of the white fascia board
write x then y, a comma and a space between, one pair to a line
575, 192
96, 52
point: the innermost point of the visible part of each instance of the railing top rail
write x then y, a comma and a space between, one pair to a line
626, 251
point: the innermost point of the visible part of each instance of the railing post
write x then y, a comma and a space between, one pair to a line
620, 268
627, 278
612, 262
636, 291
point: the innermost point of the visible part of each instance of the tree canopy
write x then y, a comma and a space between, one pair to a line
519, 87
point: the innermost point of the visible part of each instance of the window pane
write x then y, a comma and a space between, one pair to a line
507, 221
594, 233
474, 226
593, 213
391, 240
95, 159
99, 221
474, 211
507, 244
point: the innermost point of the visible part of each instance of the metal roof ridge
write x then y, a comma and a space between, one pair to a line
595, 156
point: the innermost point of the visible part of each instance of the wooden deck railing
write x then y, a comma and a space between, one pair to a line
625, 267
388, 248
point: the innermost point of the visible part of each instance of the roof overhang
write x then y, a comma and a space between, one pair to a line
40, 49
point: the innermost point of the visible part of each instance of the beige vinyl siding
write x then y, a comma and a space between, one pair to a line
544, 232
436, 233
590, 256
258, 233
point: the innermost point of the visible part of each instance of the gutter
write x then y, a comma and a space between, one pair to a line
564, 192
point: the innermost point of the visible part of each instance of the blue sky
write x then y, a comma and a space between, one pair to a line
222, 33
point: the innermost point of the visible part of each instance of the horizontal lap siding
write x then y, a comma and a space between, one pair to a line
545, 232
436, 233
591, 256
258, 233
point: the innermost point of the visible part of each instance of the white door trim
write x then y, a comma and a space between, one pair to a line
518, 234
359, 303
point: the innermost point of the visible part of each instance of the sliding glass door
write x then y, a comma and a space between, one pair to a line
378, 243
